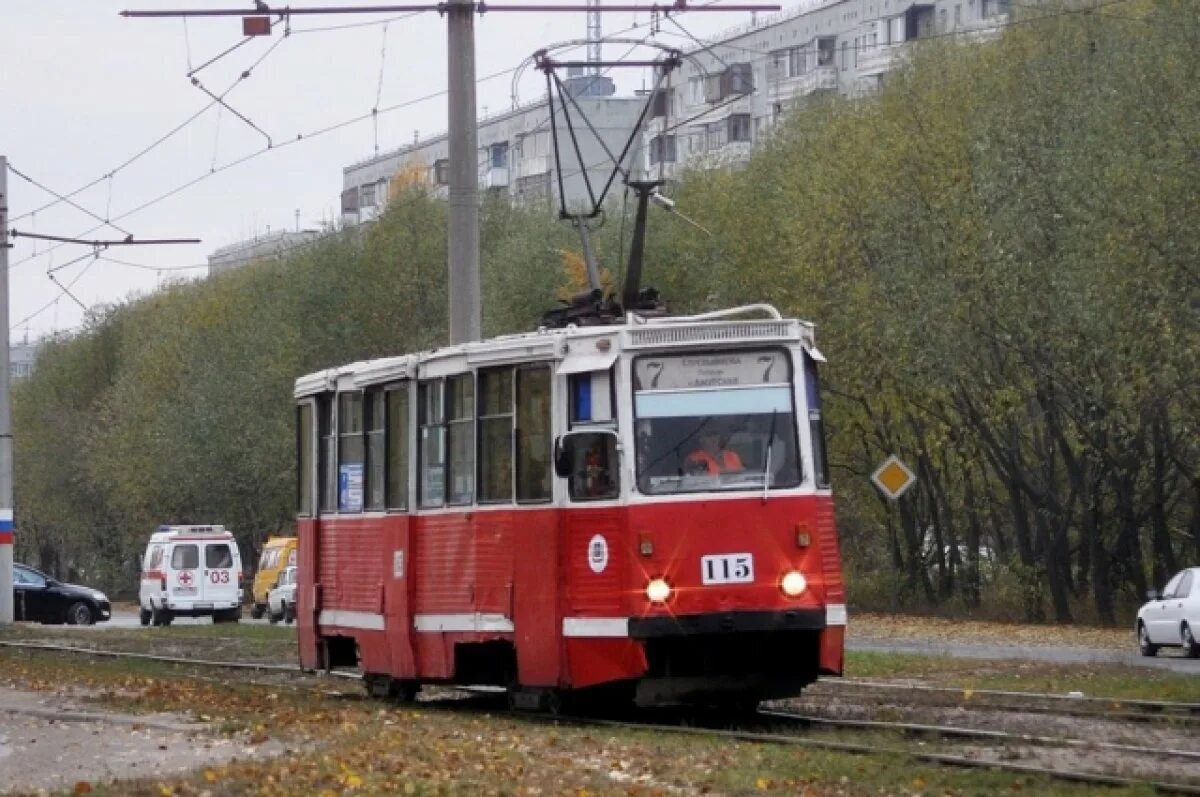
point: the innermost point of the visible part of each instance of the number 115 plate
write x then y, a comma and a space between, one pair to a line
727, 568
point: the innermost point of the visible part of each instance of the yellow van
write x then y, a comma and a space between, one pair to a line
278, 554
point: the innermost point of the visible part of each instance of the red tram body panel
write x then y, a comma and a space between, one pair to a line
507, 513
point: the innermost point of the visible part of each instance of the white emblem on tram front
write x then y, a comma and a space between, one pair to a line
598, 554
729, 568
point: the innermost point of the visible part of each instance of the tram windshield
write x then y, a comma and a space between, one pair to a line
715, 422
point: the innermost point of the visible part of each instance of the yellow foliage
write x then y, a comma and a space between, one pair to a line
413, 174
575, 272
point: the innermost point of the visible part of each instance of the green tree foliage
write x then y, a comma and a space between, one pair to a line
998, 248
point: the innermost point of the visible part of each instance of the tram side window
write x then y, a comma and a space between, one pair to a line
533, 434
350, 452
812, 387
397, 447
304, 474
460, 438
496, 435
327, 454
375, 417
432, 443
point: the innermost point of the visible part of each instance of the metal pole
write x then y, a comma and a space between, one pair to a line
6, 459
463, 226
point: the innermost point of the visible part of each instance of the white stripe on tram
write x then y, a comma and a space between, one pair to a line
463, 622
835, 614
345, 619
595, 626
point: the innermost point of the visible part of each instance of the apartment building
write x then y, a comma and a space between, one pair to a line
516, 154
732, 88
270, 244
22, 358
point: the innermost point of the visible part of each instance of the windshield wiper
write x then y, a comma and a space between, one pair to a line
767, 466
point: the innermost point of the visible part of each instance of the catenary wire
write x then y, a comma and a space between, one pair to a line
68, 200
331, 128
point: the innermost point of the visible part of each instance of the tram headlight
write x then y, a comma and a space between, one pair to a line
658, 590
793, 583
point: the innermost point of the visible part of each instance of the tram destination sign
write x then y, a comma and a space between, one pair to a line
699, 371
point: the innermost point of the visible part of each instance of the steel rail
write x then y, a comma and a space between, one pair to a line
945, 759
1168, 705
976, 733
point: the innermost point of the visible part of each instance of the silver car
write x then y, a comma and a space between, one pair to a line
281, 601
1172, 618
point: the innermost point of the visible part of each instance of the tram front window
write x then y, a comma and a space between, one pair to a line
715, 423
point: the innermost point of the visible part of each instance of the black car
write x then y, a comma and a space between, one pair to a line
39, 598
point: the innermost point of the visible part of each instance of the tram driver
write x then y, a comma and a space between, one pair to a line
712, 457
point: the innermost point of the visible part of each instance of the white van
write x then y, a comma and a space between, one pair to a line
191, 571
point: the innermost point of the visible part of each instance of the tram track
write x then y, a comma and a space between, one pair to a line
979, 734
1178, 713
855, 748
772, 718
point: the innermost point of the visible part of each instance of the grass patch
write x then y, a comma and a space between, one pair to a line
224, 642
1094, 680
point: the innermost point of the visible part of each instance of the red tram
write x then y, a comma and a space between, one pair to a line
640, 507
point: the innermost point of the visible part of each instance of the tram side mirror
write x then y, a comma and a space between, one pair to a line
590, 463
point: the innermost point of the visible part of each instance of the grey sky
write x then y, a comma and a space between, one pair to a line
82, 90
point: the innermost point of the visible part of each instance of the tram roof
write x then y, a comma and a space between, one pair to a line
573, 348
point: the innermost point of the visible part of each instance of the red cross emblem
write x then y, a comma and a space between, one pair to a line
185, 578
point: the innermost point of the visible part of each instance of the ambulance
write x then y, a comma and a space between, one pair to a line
191, 571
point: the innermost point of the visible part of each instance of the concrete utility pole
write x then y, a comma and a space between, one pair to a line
463, 223
6, 451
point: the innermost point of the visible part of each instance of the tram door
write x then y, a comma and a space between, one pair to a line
390, 410
595, 553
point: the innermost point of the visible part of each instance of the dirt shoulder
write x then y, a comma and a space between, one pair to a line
53, 742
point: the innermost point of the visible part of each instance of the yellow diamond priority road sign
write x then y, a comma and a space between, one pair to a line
893, 477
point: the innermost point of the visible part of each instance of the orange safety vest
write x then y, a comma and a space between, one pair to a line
729, 462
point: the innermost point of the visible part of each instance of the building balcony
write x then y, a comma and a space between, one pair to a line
823, 78
881, 59
496, 177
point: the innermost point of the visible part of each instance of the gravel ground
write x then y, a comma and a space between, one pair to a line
52, 743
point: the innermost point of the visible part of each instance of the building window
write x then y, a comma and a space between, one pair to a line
367, 195
662, 149
460, 439
737, 79
825, 50
716, 135
797, 62
397, 447
441, 171
500, 155
739, 127
957, 16
696, 90
779, 64
533, 433
845, 55
991, 8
